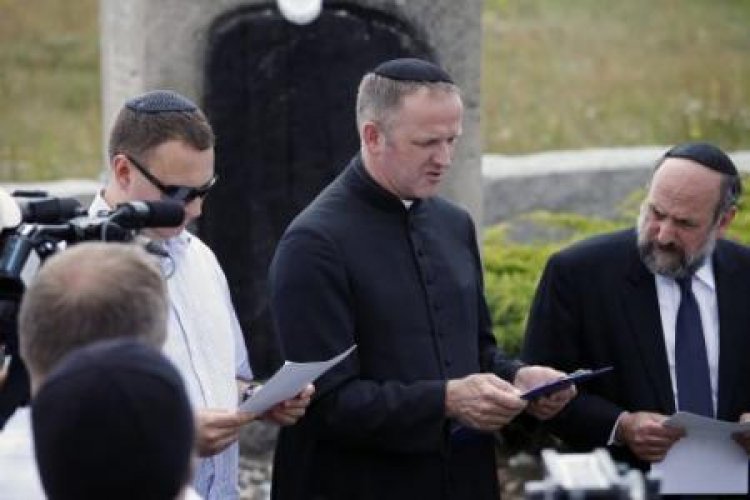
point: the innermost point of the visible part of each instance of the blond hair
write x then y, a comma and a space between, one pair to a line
89, 292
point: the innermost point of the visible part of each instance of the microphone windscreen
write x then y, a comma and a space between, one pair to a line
49, 210
165, 214
138, 214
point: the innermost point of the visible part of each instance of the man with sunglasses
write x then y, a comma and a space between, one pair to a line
161, 148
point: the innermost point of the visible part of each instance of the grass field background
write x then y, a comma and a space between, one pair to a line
557, 74
584, 73
50, 101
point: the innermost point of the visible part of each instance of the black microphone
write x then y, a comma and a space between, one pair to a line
139, 214
115, 225
48, 210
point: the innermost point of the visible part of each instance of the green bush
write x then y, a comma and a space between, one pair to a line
512, 269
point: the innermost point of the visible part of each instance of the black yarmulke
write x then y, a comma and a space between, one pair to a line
160, 101
412, 70
112, 420
706, 154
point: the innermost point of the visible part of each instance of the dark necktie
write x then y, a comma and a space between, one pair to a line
691, 360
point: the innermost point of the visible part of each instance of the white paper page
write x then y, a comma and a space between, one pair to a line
288, 382
706, 460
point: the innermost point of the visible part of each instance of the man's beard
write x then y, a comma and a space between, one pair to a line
670, 260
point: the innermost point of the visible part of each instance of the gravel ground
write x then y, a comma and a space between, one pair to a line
255, 478
256, 451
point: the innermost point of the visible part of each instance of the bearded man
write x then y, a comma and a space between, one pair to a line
665, 304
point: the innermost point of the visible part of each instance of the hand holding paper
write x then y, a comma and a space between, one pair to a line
289, 411
218, 428
646, 435
482, 401
288, 382
561, 383
706, 460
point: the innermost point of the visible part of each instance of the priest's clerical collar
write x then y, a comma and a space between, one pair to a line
412, 70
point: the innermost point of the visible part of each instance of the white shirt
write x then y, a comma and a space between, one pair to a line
19, 477
704, 289
669, 296
205, 342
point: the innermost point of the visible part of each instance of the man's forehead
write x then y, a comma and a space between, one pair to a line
179, 163
684, 194
687, 176
429, 104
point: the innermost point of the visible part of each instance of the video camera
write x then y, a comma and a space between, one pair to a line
34, 226
585, 476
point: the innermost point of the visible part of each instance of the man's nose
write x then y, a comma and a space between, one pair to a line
664, 232
443, 155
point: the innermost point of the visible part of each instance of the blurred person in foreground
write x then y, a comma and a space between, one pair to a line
87, 293
112, 420
665, 304
161, 147
378, 260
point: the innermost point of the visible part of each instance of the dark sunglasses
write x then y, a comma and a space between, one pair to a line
185, 194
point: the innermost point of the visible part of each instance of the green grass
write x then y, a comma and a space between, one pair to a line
557, 74
588, 73
50, 101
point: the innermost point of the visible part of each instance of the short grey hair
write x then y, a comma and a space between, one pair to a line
378, 97
89, 292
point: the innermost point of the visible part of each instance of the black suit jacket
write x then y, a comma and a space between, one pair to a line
596, 305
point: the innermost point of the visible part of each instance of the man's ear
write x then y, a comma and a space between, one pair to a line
121, 171
372, 137
725, 220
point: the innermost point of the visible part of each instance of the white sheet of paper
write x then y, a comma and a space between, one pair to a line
288, 382
706, 460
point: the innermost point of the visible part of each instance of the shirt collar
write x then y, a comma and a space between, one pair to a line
357, 177
705, 274
178, 243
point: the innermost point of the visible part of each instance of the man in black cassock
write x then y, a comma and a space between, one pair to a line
378, 261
